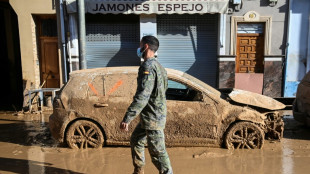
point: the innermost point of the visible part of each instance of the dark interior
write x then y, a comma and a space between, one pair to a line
187, 94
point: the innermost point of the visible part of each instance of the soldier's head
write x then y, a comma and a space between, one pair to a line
148, 46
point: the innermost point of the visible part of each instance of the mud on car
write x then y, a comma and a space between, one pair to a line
301, 105
88, 109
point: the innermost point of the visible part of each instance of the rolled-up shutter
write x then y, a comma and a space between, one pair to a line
112, 40
189, 43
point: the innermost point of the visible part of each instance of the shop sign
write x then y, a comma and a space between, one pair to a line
151, 6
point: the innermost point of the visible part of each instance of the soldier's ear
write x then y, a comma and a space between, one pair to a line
146, 46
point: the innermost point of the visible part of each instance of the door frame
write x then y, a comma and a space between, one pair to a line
250, 17
38, 21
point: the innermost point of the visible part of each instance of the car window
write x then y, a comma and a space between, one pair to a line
179, 91
175, 85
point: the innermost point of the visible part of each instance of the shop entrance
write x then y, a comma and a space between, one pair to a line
189, 43
48, 46
112, 40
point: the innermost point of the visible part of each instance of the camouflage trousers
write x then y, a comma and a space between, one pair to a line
156, 144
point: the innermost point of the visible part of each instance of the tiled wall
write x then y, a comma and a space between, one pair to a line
273, 73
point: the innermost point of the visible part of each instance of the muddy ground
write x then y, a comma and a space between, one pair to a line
26, 146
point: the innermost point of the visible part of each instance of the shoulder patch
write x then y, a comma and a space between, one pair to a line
146, 72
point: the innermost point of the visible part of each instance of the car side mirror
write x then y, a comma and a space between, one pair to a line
199, 96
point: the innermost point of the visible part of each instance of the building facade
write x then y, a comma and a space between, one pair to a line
298, 52
188, 33
225, 43
256, 38
10, 67
34, 62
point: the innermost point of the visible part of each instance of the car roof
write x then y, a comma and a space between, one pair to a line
172, 74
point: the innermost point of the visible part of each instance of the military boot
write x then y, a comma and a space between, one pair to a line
138, 170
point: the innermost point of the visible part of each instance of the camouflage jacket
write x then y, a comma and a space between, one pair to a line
150, 98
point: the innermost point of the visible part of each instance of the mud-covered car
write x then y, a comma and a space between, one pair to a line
301, 105
89, 108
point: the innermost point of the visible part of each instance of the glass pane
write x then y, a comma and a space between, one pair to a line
176, 85
250, 28
181, 92
49, 27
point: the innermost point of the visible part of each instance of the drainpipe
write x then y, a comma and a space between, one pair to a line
308, 51
286, 48
82, 33
61, 36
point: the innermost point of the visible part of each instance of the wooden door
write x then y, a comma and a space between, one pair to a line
48, 48
250, 53
49, 62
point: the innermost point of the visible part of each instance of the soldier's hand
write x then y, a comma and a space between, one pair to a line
123, 126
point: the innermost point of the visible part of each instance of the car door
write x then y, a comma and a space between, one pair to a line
113, 93
191, 116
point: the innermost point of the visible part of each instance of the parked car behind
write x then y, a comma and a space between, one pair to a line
89, 108
301, 106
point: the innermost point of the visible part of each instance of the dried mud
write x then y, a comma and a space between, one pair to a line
254, 99
103, 96
26, 146
302, 96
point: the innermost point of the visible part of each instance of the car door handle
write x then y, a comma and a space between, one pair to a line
101, 105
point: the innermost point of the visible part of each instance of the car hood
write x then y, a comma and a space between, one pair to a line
254, 99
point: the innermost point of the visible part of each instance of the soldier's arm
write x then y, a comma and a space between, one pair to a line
142, 96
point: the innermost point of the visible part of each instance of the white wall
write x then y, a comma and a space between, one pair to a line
298, 52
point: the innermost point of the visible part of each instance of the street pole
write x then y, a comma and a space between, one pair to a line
82, 34
61, 37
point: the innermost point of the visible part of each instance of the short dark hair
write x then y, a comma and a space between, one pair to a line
151, 41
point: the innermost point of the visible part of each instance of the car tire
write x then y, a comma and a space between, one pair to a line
244, 135
84, 134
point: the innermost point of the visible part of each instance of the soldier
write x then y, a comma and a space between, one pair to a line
150, 102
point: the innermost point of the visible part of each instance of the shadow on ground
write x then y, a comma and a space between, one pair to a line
295, 130
29, 166
26, 133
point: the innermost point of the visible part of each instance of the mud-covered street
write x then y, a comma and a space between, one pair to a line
26, 146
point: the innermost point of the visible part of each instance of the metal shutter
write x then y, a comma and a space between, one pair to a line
112, 40
189, 43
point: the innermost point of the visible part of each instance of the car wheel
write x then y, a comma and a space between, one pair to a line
244, 135
84, 134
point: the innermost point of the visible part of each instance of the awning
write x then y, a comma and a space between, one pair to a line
150, 6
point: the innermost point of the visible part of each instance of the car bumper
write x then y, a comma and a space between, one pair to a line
57, 124
274, 126
301, 117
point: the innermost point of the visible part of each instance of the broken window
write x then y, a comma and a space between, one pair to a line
179, 91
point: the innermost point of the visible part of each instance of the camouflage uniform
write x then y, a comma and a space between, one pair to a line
150, 102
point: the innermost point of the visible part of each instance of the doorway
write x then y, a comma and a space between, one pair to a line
250, 57
250, 48
48, 51
10, 67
